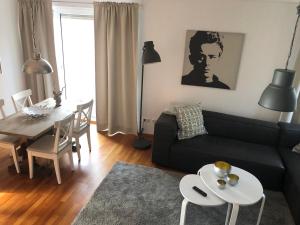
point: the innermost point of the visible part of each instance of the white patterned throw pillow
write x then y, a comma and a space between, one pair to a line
190, 121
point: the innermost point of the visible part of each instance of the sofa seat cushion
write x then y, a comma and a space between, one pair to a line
292, 161
261, 160
292, 180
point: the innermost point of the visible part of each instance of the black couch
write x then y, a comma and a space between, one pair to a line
289, 137
260, 147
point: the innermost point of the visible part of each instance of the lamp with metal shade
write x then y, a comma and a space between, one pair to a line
150, 55
36, 64
280, 95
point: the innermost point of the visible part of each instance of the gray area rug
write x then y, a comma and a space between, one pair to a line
139, 195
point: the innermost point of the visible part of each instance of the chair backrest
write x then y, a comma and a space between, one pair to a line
63, 133
1, 108
83, 116
22, 99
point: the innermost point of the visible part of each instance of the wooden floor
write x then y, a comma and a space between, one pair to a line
43, 201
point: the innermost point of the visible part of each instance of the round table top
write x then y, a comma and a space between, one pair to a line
186, 189
247, 192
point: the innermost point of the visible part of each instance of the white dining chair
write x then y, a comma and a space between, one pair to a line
53, 147
10, 142
82, 124
22, 99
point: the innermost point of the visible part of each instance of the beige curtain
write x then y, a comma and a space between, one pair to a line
41, 86
116, 40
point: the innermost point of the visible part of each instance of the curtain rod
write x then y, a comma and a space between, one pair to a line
88, 3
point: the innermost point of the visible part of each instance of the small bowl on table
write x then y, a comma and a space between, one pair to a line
222, 169
232, 179
221, 184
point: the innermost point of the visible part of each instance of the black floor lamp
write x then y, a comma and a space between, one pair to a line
149, 56
280, 95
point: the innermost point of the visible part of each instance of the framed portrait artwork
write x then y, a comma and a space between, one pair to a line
212, 59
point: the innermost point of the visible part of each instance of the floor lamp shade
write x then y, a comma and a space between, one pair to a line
37, 65
280, 95
150, 55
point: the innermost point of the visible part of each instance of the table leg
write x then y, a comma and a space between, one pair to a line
261, 209
234, 214
229, 209
183, 211
22, 153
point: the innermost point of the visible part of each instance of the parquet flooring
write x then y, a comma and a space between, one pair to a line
43, 201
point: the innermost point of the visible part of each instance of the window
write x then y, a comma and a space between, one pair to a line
75, 50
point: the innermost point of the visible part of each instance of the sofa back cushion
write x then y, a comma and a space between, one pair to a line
289, 134
240, 128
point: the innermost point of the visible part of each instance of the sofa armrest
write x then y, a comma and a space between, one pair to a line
289, 134
165, 134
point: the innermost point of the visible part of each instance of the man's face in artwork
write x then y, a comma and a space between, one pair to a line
205, 60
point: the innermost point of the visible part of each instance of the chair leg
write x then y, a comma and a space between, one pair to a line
30, 163
88, 134
71, 159
78, 148
15, 157
57, 170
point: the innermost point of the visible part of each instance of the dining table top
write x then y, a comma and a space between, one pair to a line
20, 124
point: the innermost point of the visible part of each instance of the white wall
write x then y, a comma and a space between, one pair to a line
12, 80
268, 26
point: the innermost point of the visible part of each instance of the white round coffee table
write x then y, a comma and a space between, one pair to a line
248, 191
190, 195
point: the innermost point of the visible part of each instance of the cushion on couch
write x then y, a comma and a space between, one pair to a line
261, 160
292, 164
292, 180
240, 128
289, 134
190, 121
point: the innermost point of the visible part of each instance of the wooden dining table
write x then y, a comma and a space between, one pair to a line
29, 129
21, 125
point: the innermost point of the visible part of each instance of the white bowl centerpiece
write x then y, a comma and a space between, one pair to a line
37, 111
